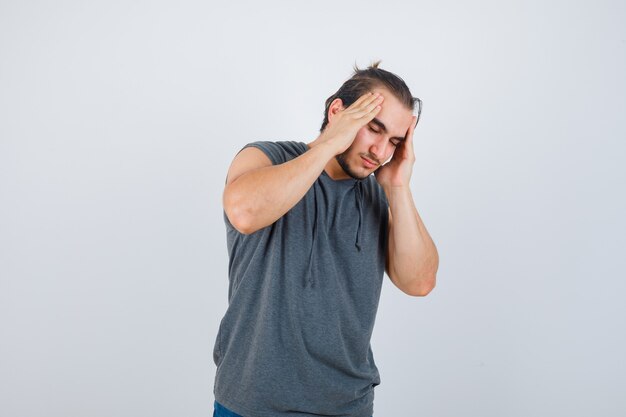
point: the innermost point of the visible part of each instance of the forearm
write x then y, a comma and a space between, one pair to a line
412, 255
259, 197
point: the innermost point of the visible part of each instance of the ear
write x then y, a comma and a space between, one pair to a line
335, 106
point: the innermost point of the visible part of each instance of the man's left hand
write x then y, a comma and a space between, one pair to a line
397, 172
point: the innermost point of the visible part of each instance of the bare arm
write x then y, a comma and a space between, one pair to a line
258, 193
412, 257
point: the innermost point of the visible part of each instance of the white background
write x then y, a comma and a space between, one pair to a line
118, 121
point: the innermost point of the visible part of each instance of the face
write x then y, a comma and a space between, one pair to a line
376, 142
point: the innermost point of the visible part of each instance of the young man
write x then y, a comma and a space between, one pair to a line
310, 233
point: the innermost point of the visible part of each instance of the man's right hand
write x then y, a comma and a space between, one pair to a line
258, 193
345, 123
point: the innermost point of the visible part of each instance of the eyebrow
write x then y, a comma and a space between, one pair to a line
382, 127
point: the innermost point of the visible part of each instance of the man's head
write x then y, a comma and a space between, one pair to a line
377, 140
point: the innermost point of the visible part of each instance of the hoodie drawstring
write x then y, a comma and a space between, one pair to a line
358, 193
309, 277
359, 205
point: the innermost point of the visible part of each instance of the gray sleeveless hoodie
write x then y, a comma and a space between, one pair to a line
303, 295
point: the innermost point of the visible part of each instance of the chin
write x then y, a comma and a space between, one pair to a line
348, 168
359, 173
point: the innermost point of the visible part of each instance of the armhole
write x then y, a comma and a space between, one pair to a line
272, 150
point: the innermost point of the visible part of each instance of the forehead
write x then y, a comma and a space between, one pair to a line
396, 117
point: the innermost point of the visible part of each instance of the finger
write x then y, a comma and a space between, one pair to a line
409, 132
367, 117
360, 106
409, 136
367, 108
364, 98
405, 148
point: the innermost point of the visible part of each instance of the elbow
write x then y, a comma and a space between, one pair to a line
238, 215
422, 287
240, 221
241, 224
426, 280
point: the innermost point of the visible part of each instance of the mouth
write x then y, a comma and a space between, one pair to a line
369, 163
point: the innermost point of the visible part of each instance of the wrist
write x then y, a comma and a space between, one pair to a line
323, 149
397, 192
330, 144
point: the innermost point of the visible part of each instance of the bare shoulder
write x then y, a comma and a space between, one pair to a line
248, 159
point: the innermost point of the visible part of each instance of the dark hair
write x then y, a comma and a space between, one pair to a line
365, 80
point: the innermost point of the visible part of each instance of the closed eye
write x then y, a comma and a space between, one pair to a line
394, 141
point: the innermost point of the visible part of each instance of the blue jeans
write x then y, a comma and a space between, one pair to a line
221, 411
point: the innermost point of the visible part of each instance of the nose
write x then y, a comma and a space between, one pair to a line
379, 149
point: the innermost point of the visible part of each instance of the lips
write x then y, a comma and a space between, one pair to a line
368, 163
